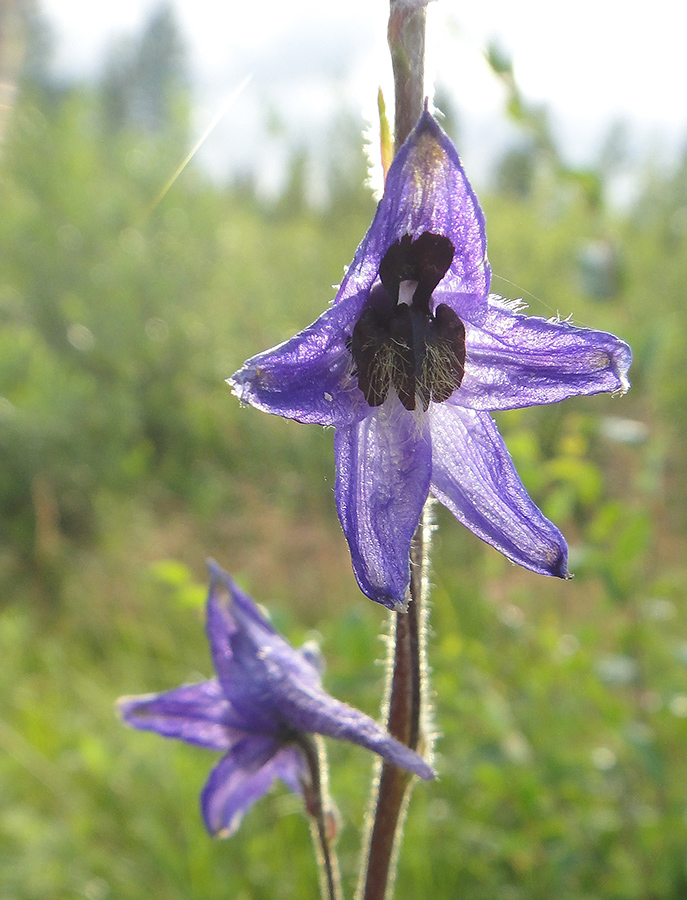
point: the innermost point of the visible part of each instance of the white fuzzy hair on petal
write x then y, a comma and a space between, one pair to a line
515, 306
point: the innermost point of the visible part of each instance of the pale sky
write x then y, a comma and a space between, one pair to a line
591, 62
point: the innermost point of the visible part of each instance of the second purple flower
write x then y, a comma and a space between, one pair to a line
265, 700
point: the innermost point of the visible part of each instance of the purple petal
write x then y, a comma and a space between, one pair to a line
473, 475
241, 640
291, 766
382, 480
240, 607
242, 777
276, 687
309, 377
311, 710
427, 190
196, 713
515, 360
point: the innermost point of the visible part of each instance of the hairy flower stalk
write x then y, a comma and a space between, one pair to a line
322, 819
406, 712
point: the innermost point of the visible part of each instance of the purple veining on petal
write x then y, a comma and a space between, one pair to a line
383, 469
516, 360
473, 475
427, 190
237, 781
244, 647
309, 377
196, 713
312, 710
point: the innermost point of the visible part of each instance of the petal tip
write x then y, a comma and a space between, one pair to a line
127, 708
399, 606
559, 568
427, 122
238, 382
219, 579
216, 571
621, 360
624, 385
122, 707
391, 601
219, 831
426, 772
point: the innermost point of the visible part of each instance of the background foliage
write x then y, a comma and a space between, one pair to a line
562, 708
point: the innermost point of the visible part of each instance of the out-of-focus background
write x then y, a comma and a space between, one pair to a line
125, 461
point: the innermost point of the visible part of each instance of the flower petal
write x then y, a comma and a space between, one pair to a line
242, 777
515, 360
382, 480
427, 190
309, 709
241, 640
276, 687
196, 713
473, 475
309, 377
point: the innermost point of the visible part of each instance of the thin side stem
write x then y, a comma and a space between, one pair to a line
330, 876
404, 721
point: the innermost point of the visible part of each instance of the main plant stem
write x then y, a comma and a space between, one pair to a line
406, 36
404, 722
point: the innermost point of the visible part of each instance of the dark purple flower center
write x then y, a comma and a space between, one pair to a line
398, 342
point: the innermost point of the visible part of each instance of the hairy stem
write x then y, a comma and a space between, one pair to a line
404, 722
406, 35
315, 794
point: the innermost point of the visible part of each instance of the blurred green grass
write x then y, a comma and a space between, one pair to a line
561, 708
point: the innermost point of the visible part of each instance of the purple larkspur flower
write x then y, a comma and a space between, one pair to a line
266, 698
407, 364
